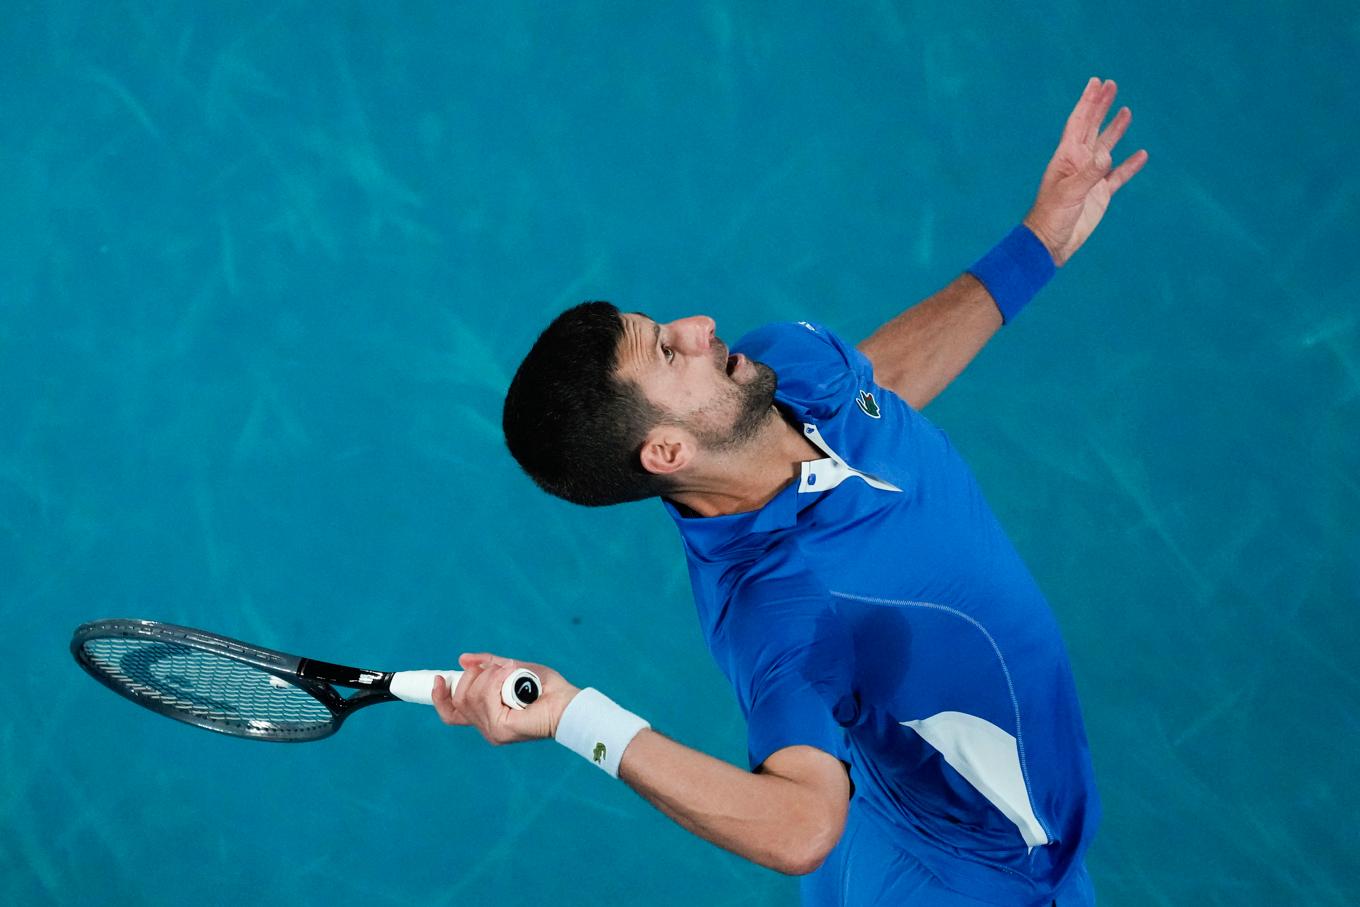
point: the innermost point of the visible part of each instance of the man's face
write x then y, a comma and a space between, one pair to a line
685, 370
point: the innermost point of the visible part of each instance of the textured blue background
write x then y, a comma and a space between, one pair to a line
266, 269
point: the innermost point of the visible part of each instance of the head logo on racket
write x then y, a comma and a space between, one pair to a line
526, 691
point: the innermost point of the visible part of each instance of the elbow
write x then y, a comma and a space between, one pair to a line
806, 863
805, 867
814, 848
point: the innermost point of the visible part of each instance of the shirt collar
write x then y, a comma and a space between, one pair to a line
710, 536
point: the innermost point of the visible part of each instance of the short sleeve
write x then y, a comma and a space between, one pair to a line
791, 664
816, 369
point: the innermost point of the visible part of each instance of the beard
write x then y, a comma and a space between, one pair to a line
747, 405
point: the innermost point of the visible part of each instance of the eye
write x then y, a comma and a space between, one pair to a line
667, 352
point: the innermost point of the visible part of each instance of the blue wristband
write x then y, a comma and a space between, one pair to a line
1015, 269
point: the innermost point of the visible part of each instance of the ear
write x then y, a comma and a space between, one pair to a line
666, 450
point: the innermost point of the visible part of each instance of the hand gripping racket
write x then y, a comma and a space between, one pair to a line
235, 688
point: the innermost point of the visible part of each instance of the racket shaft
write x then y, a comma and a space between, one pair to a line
418, 686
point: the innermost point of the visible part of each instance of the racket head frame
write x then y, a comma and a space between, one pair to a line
316, 678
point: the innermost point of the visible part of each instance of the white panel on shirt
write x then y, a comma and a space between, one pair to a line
988, 759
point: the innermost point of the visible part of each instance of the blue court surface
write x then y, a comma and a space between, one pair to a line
268, 269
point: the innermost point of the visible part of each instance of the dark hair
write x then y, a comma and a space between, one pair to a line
571, 423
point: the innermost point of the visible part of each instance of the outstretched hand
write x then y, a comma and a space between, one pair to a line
1078, 184
477, 700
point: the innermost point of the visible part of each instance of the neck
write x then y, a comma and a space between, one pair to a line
749, 478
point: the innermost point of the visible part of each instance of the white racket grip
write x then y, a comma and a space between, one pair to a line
418, 686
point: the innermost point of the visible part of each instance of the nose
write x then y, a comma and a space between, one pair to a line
695, 333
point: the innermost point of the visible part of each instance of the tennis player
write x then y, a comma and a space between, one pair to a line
914, 735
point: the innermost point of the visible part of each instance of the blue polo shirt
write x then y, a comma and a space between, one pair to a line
874, 609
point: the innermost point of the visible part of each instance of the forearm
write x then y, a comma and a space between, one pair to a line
761, 817
918, 353
769, 817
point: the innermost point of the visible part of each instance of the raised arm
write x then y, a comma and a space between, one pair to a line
921, 351
918, 353
787, 816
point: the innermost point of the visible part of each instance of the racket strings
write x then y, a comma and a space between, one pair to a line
225, 693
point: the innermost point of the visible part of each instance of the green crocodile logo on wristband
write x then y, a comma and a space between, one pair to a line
867, 403
599, 752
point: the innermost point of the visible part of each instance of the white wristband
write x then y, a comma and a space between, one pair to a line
597, 728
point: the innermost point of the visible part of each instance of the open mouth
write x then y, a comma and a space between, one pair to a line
732, 362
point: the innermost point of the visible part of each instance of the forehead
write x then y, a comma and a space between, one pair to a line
638, 345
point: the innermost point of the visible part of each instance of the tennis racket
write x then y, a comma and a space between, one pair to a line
232, 687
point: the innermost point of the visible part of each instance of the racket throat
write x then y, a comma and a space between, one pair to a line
344, 676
